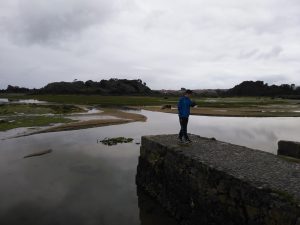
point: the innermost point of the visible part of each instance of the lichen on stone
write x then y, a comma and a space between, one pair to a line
115, 141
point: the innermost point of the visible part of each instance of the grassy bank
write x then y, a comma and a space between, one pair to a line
149, 100
33, 115
232, 112
30, 121
12, 109
14, 115
92, 99
121, 118
239, 106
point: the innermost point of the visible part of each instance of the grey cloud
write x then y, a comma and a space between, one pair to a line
274, 52
248, 54
168, 44
40, 21
273, 78
153, 18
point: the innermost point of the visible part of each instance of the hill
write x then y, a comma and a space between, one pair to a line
259, 88
104, 87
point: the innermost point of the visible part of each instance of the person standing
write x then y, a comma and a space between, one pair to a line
184, 105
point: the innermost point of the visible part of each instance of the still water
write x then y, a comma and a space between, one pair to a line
85, 182
5, 100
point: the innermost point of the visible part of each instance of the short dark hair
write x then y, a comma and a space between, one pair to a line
189, 92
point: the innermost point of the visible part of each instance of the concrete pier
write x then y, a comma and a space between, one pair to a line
216, 183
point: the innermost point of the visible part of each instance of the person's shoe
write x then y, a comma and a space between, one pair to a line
180, 141
188, 141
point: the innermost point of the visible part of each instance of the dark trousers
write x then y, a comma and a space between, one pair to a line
183, 127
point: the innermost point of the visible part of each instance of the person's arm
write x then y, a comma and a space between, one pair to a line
193, 103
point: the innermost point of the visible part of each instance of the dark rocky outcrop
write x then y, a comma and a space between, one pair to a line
211, 182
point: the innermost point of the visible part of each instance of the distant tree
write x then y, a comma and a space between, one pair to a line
259, 88
16, 89
112, 86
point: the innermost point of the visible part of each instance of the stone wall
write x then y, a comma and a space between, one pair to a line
289, 148
215, 183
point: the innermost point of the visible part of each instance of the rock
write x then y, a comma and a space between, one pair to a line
166, 107
115, 141
3, 121
39, 153
289, 148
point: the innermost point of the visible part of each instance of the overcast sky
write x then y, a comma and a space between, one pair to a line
169, 44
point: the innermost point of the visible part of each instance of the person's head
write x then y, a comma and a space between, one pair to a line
188, 93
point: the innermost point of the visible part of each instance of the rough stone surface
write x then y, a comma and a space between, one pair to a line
212, 183
289, 148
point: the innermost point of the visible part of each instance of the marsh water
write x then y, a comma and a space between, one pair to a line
85, 182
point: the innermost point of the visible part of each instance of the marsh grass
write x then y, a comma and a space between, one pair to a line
15, 108
233, 106
92, 99
122, 118
30, 121
115, 141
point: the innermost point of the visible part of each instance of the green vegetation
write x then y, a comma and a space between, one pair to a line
240, 107
230, 106
28, 115
259, 88
13, 115
289, 159
125, 87
94, 99
147, 100
285, 195
29, 121
115, 141
112, 86
11, 109
239, 102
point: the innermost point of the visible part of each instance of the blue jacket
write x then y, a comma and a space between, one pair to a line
184, 105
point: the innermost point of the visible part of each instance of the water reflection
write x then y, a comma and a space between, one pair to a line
151, 213
3, 100
85, 182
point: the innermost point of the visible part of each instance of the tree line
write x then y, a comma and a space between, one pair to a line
116, 86
259, 88
112, 86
